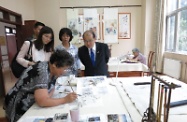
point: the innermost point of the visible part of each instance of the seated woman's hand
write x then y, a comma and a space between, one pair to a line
79, 74
71, 97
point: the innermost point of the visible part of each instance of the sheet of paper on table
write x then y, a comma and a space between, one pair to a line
141, 100
35, 119
91, 90
104, 118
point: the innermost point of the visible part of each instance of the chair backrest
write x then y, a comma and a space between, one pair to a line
150, 59
110, 50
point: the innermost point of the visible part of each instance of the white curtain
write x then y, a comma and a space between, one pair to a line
160, 33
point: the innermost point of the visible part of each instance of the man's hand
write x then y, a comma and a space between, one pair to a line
79, 73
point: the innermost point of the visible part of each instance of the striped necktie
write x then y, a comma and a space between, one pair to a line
92, 56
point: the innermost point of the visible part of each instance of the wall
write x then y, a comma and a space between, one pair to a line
124, 45
48, 12
72, 3
142, 19
23, 7
148, 23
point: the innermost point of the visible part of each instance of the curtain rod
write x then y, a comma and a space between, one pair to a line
116, 6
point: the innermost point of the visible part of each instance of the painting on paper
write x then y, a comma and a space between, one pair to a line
124, 26
80, 26
110, 27
91, 23
72, 24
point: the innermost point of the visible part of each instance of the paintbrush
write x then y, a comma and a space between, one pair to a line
70, 86
68, 93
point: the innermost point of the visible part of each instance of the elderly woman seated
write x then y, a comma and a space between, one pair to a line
138, 56
36, 84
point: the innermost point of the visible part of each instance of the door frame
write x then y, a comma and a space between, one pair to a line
1, 74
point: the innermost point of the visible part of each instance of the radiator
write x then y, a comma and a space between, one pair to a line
172, 68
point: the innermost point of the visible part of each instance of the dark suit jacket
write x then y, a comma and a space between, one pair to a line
102, 57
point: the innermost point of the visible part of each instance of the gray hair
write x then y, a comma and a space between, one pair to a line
135, 50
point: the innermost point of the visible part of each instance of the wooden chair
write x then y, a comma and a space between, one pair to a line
149, 63
110, 50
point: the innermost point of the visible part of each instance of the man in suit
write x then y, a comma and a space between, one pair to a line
93, 55
36, 29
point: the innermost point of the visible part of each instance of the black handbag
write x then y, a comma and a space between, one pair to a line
16, 68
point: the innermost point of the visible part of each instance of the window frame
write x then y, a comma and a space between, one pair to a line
174, 13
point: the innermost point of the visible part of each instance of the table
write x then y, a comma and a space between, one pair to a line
139, 96
110, 102
124, 69
121, 97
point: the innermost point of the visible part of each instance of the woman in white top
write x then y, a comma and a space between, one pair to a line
41, 48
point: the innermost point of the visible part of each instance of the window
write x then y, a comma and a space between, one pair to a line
172, 5
7, 30
10, 30
182, 32
14, 30
170, 33
12, 18
182, 3
176, 30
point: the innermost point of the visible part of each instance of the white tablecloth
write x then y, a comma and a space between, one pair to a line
111, 103
121, 97
115, 65
139, 96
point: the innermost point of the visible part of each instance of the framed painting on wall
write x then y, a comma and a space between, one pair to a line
80, 25
124, 25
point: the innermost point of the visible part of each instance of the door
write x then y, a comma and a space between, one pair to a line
8, 50
11, 46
